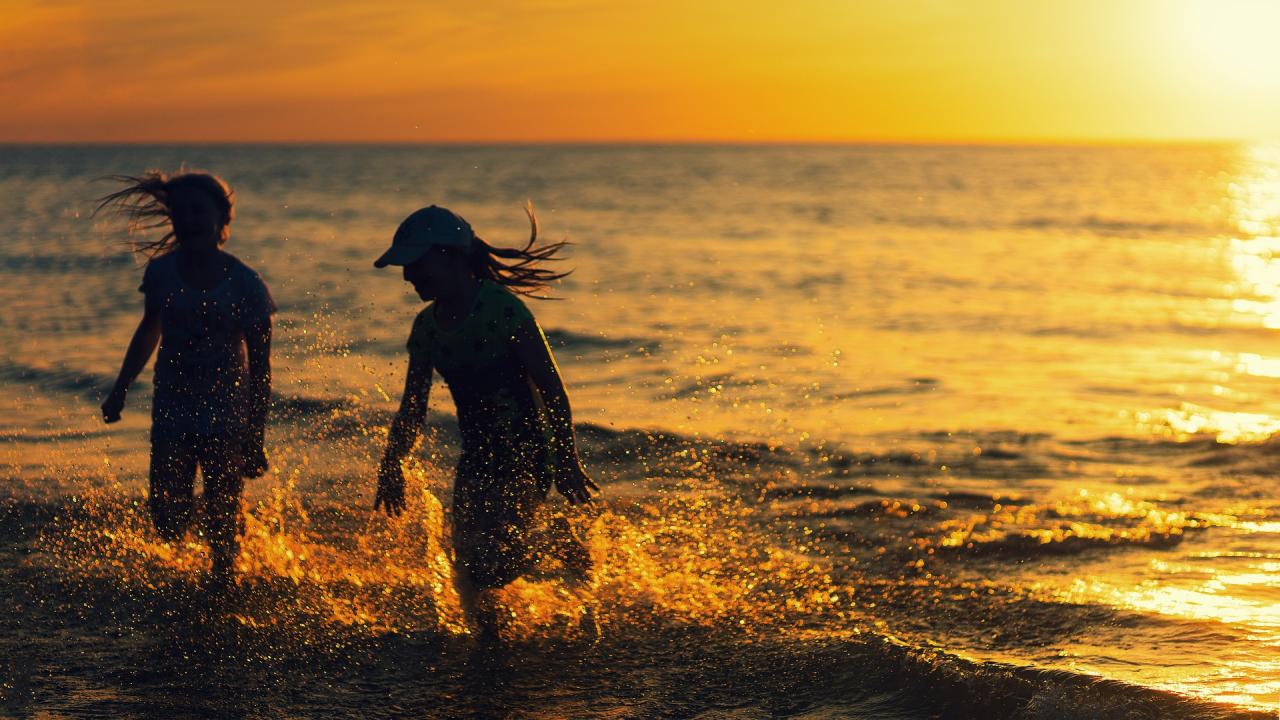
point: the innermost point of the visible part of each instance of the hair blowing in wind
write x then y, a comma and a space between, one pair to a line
522, 274
144, 202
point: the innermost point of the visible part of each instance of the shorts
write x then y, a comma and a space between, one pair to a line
497, 495
175, 457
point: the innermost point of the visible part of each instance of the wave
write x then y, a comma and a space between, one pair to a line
569, 340
1100, 225
908, 387
58, 379
713, 384
1065, 540
62, 262
1123, 226
951, 686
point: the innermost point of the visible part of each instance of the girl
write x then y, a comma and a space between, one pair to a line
513, 413
211, 315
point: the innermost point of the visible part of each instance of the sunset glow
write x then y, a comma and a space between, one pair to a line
564, 70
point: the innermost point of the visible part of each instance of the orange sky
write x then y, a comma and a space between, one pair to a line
553, 70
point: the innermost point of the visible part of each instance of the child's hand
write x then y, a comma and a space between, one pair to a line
390, 487
113, 405
573, 483
253, 448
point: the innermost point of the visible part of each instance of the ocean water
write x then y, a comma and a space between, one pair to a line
887, 432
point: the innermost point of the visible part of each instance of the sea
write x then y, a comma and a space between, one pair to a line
882, 431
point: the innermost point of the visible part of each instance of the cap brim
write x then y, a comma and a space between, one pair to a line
399, 255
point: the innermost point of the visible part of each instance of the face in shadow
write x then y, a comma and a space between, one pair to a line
198, 222
441, 272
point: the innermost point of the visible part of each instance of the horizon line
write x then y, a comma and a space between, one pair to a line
659, 142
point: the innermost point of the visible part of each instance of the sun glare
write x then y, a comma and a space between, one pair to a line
1232, 42
1255, 252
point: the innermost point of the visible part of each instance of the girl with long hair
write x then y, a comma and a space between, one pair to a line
513, 412
210, 314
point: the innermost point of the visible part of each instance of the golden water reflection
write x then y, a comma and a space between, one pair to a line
1190, 420
1252, 676
1223, 374
1254, 200
1237, 588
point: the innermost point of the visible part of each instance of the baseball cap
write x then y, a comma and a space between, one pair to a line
424, 229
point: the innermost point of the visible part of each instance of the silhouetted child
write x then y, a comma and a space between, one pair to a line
211, 315
513, 413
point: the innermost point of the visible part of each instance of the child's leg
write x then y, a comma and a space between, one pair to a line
221, 465
173, 476
469, 598
474, 558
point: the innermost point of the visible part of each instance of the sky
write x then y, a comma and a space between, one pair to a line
639, 70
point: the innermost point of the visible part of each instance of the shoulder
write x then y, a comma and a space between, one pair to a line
424, 324
161, 264
508, 305
241, 270
505, 313
423, 333
425, 318
159, 275
252, 291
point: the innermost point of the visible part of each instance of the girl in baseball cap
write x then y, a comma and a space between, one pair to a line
513, 412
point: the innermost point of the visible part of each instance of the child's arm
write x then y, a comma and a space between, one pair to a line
531, 348
404, 432
144, 342
257, 340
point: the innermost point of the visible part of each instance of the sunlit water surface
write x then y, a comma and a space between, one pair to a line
890, 431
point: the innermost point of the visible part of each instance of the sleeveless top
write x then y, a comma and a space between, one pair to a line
201, 371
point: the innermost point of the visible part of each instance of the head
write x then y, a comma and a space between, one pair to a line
441, 255
439, 271
194, 208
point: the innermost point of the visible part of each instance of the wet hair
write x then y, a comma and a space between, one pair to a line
144, 202
522, 275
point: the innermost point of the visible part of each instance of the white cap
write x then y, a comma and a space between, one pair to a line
424, 229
